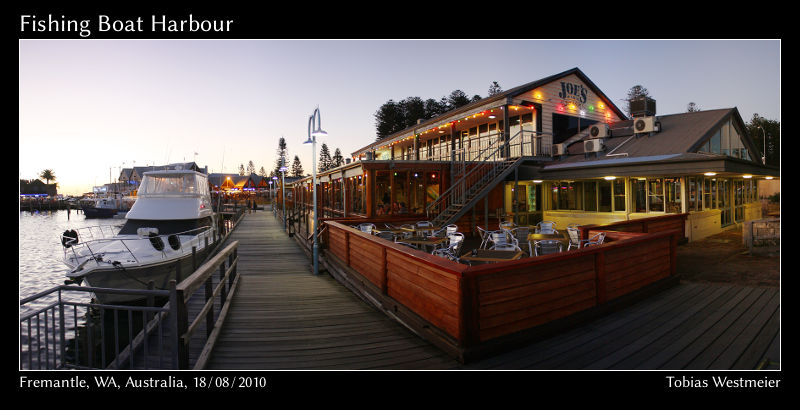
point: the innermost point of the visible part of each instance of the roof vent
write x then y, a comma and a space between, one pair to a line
643, 107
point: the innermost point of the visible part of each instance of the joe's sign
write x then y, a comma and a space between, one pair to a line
574, 93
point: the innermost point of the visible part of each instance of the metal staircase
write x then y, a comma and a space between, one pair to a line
475, 182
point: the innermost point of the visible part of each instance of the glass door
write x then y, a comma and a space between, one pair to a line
739, 200
724, 201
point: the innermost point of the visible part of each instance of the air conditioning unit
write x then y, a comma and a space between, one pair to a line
599, 131
559, 150
644, 125
593, 145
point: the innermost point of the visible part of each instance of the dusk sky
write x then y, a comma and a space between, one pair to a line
90, 107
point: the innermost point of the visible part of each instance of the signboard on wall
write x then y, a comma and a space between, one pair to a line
573, 93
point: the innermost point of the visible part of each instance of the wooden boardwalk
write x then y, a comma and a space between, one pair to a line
284, 317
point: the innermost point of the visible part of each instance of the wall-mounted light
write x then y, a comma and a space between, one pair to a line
747, 176
537, 181
609, 178
768, 178
710, 174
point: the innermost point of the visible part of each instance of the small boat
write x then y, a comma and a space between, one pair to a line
171, 224
100, 208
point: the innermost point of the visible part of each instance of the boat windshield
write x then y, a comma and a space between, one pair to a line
173, 184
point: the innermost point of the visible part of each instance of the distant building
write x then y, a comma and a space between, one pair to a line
130, 178
36, 187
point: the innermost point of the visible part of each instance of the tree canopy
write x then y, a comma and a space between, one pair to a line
48, 175
763, 131
394, 116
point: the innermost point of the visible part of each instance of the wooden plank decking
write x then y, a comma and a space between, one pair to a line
284, 317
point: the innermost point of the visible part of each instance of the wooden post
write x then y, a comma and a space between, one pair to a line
369, 187
210, 315
178, 273
223, 294
150, 300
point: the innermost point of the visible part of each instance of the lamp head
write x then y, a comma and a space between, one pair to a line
319, 133
309, 141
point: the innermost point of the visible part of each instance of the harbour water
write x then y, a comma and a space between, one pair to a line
40, 250
40, 269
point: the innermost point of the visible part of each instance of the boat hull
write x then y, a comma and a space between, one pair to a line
92, 212
138, 277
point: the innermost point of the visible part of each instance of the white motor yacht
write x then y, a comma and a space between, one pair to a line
171, 217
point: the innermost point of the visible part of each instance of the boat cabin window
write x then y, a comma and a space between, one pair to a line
173, 184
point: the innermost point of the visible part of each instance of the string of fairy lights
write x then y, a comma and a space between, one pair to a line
597, 108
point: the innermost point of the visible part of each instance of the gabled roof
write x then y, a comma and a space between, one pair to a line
501, 98
678, 141
680, 133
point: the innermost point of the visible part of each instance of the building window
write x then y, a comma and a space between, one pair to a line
418, 188
566, 195
672, 195
709, 194
383, 192
619, 195
590, 196
401, 193
664, 194
565, 126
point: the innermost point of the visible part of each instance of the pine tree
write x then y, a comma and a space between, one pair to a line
281, 152
324, 158
251, 168
337, 159
297, 168
241, 169
494, 89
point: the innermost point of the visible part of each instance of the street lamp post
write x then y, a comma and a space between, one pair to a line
283, 192
275, 196
312, 139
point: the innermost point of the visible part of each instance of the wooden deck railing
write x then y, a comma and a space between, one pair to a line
476, 304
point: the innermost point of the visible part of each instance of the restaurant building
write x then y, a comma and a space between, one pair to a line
555, 149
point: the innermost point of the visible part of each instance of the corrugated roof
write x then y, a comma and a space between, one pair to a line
679, 134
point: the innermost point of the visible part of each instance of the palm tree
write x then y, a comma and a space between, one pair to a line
48, 175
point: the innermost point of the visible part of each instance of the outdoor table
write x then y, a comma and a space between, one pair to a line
396, 231
428, 229
561, 237
487, 255
424, 241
